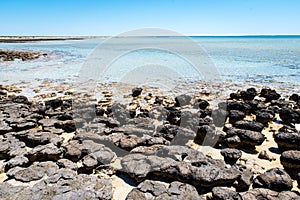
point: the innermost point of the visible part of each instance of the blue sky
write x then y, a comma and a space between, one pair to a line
112, 17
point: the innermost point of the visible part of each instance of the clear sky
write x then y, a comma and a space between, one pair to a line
111, 17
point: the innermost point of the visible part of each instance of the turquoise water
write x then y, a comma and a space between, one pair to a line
260, 59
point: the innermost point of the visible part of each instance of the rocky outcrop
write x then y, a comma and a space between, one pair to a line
8, 55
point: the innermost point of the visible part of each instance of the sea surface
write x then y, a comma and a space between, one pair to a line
265, 60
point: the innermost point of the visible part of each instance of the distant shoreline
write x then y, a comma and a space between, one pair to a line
21, 39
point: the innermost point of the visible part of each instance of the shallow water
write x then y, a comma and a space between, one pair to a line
258, 60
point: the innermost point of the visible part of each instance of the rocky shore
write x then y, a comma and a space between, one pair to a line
11, 55
149, 144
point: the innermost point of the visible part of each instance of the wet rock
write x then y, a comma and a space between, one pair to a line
156, 190
136, 92
45, 152
274, 179
291, 160
231, 155
236, 115
183, 100
269, 94
287, 141
248, 138
266, 194
249, 125
288, 115
223, 193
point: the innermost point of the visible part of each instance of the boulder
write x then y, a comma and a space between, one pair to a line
231, 155
274, 179
287, 141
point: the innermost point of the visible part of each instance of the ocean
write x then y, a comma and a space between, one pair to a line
265, 60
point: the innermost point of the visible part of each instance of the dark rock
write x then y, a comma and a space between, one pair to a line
294, 97
174, 116
249, 125
269, 94
291, 160
137, 92
240, 106
235, 96
202, 104
223, 193
45, 152
100, 111
287, 141
73, 150
20, 99
248, 138
288, 115
205, 175
231, 155
274, 179
110, 122
266, 194
207, 135
249, 94
236, 115
233, 141
33, 139
245, 180
264, 117
264, 155
176, 134
53, 103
